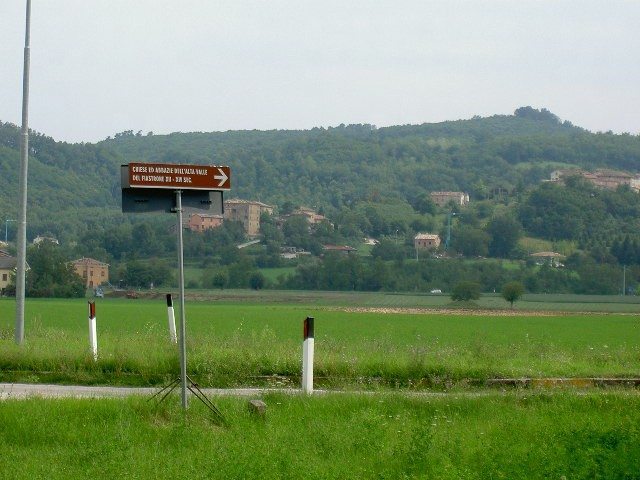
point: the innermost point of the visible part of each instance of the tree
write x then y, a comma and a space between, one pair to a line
143, 274
505, 231
512, 292
466, 291
297, 232
50, 274
220, 279
470, 241
424, 204
215, 278
287, 207
542, 115
144, 240
387, 249
256, 280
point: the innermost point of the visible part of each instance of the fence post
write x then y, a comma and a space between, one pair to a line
307, 356
93, 334
172, 319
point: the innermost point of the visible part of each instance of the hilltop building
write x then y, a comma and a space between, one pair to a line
442, 199
601, 178
309, 214
41, 238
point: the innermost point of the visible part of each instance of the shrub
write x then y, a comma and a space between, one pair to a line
466, 291
256, 281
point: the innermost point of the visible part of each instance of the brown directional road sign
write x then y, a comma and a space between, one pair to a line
176, 177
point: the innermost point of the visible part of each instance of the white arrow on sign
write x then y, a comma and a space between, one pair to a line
222, 177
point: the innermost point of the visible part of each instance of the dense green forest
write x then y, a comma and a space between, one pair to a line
341, 166
368, 181
326, 168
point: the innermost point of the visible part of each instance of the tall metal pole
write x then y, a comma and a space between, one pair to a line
21, 238
183, 330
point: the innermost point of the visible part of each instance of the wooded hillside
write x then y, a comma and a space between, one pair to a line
72, 184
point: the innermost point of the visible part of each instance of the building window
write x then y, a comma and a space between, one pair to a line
102, 273
4, 277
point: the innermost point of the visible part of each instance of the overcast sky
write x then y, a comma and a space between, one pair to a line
103, 66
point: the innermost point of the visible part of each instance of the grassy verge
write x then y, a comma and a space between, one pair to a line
359, 437
236, 345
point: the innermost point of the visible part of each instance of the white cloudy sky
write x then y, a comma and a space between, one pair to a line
104, 66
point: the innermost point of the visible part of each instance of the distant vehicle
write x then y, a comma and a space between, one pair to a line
436, 290
98, 293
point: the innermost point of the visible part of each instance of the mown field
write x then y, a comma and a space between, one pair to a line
247, 343
383, 436
534, 302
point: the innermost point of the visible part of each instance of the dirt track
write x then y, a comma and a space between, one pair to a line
452, 311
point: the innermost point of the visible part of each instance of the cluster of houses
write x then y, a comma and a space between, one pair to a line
602, 178
247, 212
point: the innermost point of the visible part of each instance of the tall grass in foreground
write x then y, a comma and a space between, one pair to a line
342, 437
234, 345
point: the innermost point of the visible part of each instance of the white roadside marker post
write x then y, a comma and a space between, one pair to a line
307, 356
172, 319
93, 334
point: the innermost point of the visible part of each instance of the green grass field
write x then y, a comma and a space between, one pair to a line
532, 302
272, 274
331, 437
244, 343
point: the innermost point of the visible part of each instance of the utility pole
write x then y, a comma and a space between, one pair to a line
21, 239
448, 239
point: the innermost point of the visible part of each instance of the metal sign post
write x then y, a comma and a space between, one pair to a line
159, 187
183, 329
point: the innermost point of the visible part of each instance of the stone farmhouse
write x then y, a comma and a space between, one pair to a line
93, 272
602, 178
426, 241
442, 199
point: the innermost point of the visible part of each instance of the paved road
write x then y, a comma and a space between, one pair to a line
26, 390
